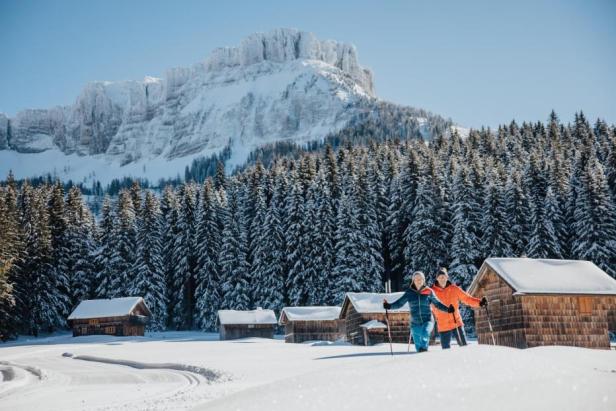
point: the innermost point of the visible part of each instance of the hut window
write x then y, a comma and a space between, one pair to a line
109, 330
585, 305
93, 321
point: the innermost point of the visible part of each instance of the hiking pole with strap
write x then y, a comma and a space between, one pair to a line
391, 350
490, 325
408, 348
455, 323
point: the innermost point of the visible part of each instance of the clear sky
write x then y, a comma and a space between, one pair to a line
478, 62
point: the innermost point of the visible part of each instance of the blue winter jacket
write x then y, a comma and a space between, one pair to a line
419, 303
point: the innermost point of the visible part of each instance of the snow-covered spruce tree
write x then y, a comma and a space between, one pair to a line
401, 211
312, 287
543, 242
7, 300
610, 167
518, 211
348, 270
59, 237
80, 248
208, 293
185, 259
325, 258
370, 234
38, 290
270, 249
125, 240
11, 253
424, 243
106, 277
148, 280
233, 254
295, 233
170, 230
496, 238
595, 220
465, 245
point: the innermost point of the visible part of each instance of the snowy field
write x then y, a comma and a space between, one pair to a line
176, 370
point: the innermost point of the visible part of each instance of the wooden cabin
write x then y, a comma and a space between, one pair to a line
312, 324
545, 302
125, 316
361, 308
236, 324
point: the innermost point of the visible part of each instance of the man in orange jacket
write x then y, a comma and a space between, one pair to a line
451, 294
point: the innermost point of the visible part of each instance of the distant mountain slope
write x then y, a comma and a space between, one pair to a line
285, 85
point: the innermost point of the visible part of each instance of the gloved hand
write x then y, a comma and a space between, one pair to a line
483, 302
386, 305
451, 308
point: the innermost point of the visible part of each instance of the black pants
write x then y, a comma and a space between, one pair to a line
446, 337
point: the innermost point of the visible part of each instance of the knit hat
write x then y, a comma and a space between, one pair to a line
419, 274
442, 271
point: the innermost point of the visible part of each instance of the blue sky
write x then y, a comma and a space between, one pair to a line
478, 62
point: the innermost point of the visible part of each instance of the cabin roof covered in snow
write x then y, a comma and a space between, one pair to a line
373, 325
258, 316
110, 307
313, 313
543, 276
365, 303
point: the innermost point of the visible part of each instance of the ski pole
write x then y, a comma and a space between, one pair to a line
391, 350
408, 348
455, 323
490, 325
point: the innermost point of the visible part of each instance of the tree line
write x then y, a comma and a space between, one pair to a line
305, 230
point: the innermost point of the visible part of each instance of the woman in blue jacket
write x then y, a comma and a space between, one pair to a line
419, 297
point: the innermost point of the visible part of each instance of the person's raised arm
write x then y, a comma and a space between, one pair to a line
438, 304
396, 304
466, 298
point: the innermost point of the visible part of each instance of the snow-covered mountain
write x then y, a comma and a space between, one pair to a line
281, 85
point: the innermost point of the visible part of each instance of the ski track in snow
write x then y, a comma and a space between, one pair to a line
93, 373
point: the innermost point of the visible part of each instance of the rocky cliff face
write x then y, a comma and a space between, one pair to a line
285, 84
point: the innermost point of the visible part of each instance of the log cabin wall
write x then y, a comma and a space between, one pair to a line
574, 320
506, 313
118, 326
399, 324
326, 330
235, 331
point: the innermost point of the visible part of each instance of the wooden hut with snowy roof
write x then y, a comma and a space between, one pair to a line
534, 302
124, 316
320, 323
364, 318
236, 324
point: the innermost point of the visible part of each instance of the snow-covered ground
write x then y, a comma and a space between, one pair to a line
177, 370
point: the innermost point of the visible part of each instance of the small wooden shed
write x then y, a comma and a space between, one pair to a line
236, 324
311, 324
361, 308
124, 316
534, 302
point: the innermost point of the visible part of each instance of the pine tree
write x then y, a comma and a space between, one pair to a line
465, 245
233, 254
517, 211
595, 220
496, 238
107, 278
80, 244
170, 231
38, 291
124, 238
208, 293
148, 280
185, 259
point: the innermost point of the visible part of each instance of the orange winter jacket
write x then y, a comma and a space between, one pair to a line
451, 294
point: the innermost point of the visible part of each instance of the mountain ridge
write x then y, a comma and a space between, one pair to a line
283, 85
